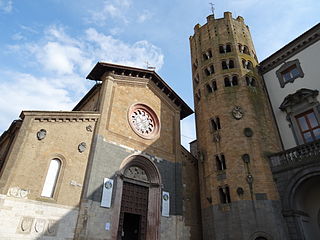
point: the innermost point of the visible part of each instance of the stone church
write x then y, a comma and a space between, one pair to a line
114, 167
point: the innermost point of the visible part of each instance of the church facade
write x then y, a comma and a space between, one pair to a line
114, 167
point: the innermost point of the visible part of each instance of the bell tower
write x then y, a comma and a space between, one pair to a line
235, 133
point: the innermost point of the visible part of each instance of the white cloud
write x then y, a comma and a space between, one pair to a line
6, 5
23, 91
144, 16
17, 36
61, 63
109, 49
114, 9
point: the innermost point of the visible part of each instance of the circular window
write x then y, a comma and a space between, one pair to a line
143, 121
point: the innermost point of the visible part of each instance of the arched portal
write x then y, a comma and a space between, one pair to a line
306, 201
138, 197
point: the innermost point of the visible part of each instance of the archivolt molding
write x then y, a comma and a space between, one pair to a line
145, 164
294, 183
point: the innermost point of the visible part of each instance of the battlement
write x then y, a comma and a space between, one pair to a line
227, 16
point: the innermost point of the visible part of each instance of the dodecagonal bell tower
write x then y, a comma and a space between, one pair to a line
235, 133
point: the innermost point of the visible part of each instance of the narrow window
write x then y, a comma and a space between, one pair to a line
205, 57
251, 81
227, 82
228, 48
215, 123
211, 69
244, 63
196, 79
241, 48
224, 65
209, 88
309, 126
198, 95
221, 49
246, 50
206, 71
234, 81
214, 85
220, 162
231, 64
51, 178
224, 194
249, 65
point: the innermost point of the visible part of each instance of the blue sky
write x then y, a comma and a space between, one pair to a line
49, 46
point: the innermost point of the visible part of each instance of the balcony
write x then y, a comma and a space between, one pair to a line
297, 156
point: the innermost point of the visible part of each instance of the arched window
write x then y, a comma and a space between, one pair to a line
51, 178
228, 48
231, 64
234, 81
227, 82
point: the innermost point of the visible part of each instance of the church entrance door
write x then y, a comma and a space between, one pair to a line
134, 212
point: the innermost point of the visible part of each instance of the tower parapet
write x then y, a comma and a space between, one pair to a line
235, 132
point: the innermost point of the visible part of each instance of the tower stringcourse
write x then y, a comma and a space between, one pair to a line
235, 132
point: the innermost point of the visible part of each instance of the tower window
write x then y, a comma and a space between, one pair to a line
227, 64
209, 70
215, 123
227, 82
220, 162
198, 95
209, 88
251, 81
232, 82
228, 48
247, 64
224, 65
196, 79
214, 85
224, 194
207, 55
51, 178
244, 49
225, 48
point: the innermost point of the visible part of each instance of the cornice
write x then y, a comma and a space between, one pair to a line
61, 116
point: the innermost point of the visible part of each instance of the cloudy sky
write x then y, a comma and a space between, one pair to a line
49, 46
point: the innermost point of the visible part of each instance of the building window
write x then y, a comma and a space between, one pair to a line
251, 81
309, 126
244, 49
211, 87
227, 64
303, 114
209, 70
224, 194
215, 123
198, 95
289, 71
231, 82
207, 55
247, 64
51, 178
225, 48
220, 162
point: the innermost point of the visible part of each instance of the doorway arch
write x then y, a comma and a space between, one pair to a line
139, 176
302, 198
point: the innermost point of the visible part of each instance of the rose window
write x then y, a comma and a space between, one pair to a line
143, 121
